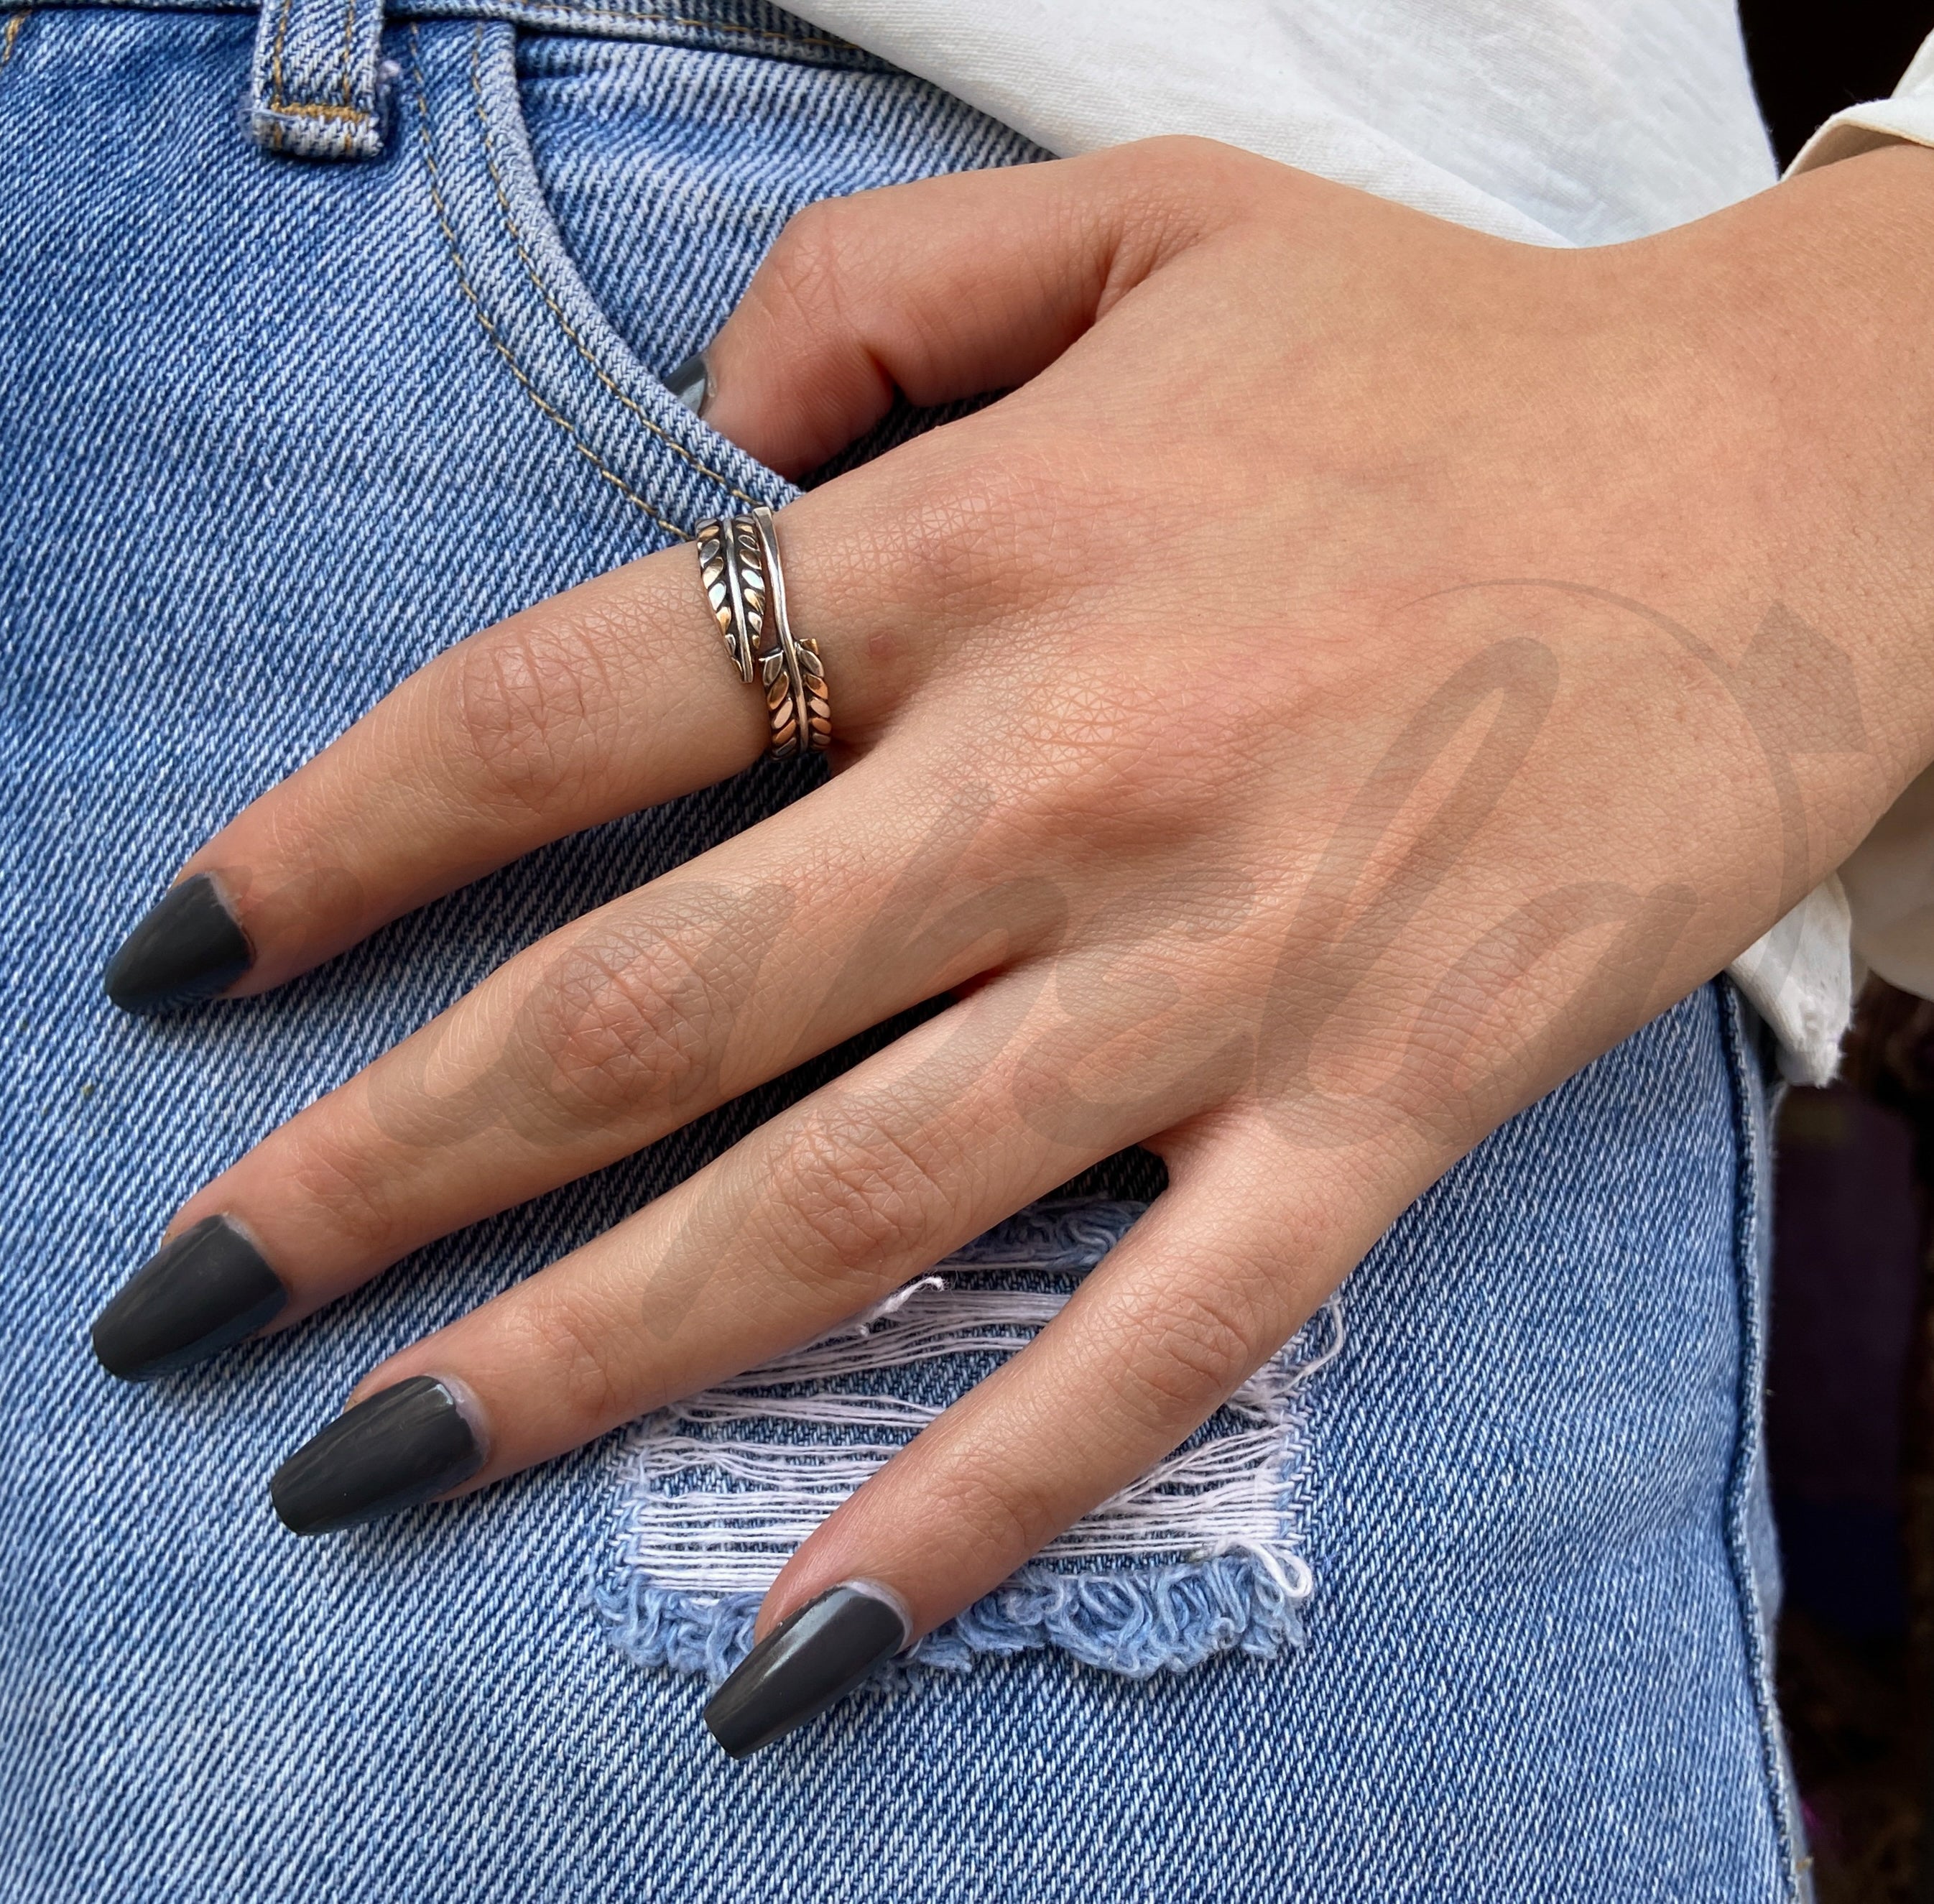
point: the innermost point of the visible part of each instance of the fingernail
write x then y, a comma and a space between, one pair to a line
188, 947
804, 1663
201, 1292
399, 1448
691, 383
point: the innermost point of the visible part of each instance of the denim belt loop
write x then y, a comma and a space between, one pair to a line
313, 86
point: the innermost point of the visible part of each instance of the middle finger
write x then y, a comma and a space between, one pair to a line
864, 899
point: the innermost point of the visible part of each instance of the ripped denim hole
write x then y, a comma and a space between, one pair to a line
1199, 1557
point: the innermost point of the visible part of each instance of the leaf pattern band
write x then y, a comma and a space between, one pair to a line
739, 568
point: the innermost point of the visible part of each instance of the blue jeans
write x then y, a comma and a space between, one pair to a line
327, 340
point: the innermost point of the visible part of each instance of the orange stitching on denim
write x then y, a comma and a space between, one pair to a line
348, 54
15, 22
544, 291
280, 107
490, 329
275, 63
299, 111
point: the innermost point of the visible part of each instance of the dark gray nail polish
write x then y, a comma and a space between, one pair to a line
691, 383
400, 1447
798, 1670
188, 947
201, 1292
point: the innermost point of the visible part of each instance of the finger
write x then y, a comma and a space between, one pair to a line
820, 1211
609, 697
850, 906
614, 696
946, 288
1221, 1271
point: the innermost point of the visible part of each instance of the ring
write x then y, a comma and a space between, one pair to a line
731, 569
740, 569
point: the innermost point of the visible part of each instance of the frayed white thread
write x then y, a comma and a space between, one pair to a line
714, 1512
1197, 1557
862, 1324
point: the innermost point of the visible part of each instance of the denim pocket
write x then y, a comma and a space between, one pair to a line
670, 169
604, 203
534, 311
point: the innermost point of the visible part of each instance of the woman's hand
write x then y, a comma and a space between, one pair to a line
1360, 674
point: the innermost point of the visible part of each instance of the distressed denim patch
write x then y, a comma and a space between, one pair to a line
1201, 1555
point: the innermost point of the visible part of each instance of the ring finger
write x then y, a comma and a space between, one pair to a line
819, 1212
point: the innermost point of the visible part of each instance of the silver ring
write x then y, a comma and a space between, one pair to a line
739, 569
731, 570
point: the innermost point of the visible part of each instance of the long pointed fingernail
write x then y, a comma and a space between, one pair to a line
691, 383
400, 1447
188, 947
803, 1665
201, 1292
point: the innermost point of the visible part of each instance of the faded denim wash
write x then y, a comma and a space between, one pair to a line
277, 429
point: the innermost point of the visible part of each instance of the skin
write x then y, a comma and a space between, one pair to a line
1362, 673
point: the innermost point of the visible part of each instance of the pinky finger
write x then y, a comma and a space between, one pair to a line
1199, 1293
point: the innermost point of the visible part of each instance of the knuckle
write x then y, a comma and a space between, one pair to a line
573, 1354
1191, 1352
1192, 152
975, 536
1009, 1514
523, 703
345, 1179
808, 265
618, 1022
1122, 755
859, 1196
1183, 179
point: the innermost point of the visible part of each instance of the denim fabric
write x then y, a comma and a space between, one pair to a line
1202, 1556
315, 87
275, 431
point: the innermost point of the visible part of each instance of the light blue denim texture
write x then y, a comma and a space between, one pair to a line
1135, 1612
275, 431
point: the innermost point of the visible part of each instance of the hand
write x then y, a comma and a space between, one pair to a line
1312, 715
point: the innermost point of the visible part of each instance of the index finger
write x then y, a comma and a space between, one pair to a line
614, 696
610, 697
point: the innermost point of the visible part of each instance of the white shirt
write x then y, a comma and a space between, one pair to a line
1555, 121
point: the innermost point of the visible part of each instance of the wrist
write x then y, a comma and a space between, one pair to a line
1802, 315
